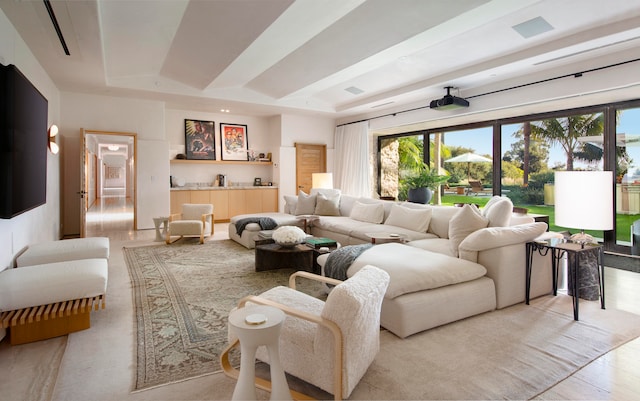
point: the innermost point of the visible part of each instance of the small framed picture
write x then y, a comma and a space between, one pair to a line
199, 142
234, 141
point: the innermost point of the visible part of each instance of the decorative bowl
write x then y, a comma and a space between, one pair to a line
288, 236
288, 244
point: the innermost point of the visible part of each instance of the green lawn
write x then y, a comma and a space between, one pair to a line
623, 221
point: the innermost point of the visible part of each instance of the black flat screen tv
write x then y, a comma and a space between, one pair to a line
23, 144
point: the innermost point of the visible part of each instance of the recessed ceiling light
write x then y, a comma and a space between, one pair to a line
533, 27
113, 148
224, 110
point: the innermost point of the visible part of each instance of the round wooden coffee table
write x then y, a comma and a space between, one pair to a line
274, 256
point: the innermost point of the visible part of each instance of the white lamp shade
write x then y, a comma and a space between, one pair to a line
322, 180
584, 199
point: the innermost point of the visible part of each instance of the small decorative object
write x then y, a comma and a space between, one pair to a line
199, 140
289, 236
257, 182
235, 142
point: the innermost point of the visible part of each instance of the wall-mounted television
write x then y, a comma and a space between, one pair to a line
23, 144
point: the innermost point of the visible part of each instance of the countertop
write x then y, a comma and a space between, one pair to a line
212, 188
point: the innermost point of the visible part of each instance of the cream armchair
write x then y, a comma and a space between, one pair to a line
328, 344
195, 220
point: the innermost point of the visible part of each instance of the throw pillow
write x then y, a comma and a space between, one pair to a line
499, 212
466, 221
290, 203
411, 219
327, 205
369, 213
306, 204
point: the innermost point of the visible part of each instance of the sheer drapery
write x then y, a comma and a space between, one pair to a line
351, 170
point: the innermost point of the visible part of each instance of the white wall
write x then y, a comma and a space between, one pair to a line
260, 137
301, 129
41, 223
144, 118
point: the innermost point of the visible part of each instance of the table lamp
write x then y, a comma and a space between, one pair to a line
322, 180
584, 200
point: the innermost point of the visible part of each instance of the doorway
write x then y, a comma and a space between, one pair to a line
108, 194
309, 159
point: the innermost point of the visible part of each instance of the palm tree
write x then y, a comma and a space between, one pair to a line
565, 132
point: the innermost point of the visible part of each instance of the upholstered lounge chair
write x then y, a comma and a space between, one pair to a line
328, 344
195, 220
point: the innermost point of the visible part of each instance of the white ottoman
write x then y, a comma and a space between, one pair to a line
50, 300
68, 249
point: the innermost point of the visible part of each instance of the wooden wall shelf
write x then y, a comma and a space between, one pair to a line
237, 162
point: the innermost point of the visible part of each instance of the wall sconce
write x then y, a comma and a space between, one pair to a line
53, 146
322, 180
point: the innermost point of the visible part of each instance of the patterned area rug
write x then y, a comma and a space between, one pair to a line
182, 295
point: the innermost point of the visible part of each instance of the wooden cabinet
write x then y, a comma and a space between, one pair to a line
220, 202
269, 199
236, 202
229, 202
178, 198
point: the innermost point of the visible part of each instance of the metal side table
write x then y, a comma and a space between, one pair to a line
558, 249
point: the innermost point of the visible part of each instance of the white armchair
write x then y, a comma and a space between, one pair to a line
328, 344
195, 220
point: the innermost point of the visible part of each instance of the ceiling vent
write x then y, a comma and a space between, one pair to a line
448, 102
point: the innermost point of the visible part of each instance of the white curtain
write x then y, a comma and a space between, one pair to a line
351, 159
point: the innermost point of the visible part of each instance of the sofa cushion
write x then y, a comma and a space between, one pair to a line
306, 204
370, 213
498, 211
440, 217
412, 219
412, 269
467, 220
35, 285
495, 237
327, 204
439, 245
68, 249
290, 203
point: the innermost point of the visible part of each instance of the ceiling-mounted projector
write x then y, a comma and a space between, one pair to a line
449, 101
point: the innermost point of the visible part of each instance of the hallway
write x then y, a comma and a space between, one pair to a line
111, 216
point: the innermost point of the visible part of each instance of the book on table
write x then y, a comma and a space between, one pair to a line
319, 242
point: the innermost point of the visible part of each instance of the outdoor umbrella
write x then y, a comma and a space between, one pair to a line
468, 158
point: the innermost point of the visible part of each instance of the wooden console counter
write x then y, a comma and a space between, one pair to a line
227, 201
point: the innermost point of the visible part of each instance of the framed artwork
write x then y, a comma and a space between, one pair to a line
199, 142
234, 141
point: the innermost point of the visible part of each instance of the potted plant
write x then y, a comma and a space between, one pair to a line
422, 183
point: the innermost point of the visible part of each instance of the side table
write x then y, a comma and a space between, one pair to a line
256, 326
385, 237
308, 220
161, 221
558, 249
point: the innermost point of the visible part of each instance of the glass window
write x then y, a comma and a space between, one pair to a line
628, 178
533, 151
398, 157
467, 157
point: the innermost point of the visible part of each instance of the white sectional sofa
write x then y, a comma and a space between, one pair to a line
456, 261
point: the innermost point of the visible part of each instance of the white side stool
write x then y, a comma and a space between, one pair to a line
256, 326
158, 221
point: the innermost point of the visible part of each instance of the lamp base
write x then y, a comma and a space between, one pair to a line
582, 238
